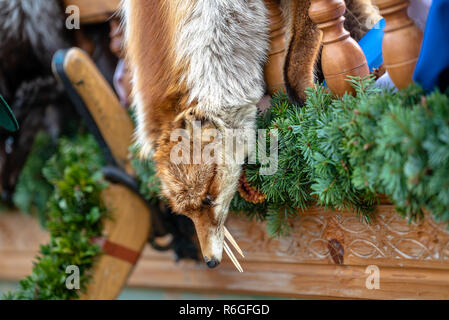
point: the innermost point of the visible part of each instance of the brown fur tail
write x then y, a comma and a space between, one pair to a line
302, 51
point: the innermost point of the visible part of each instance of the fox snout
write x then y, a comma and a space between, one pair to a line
211, 239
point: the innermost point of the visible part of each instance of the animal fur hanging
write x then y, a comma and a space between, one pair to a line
248, 192
196, 60
30, 32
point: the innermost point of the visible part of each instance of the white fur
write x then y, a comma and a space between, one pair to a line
224, 43
143, 140
38, 22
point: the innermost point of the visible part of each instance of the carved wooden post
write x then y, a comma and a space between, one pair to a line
401, 43
274, 68
341, 56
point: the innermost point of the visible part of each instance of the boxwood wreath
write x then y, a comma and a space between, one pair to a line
338, 153
74, 214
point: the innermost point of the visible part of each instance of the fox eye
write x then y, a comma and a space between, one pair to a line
208, 201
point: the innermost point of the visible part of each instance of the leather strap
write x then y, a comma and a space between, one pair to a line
117, 250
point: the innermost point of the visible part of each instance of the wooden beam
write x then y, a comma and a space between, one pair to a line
129, 228
274, 67
111, 118
413, 259
127, 231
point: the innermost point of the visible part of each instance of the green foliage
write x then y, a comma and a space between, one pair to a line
33, 190
75, 212
149, 184
399, 146
82, 150
288, 189
313, 166
321, 144
341, 152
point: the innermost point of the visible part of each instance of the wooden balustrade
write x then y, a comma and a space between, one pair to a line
274, 68
401, 43
341, 55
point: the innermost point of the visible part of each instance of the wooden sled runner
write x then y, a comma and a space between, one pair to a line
128, 230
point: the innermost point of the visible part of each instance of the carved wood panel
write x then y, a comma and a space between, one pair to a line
390, 240
325, 256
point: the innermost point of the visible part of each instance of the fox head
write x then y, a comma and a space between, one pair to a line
201, 189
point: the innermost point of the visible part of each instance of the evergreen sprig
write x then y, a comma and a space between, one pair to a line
398, 145
33, 190
149, 183
341, 153
75, 213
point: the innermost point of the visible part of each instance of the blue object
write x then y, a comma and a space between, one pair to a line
371, 44
433, 62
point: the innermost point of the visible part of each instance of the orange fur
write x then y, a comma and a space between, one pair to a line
150, 46
188, 186
163, 79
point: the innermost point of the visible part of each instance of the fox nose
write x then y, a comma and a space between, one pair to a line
212, 263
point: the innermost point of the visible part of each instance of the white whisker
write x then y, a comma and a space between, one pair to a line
232, 257
233, 242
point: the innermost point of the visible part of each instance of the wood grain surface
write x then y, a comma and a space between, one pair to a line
130, 226
401, 43
413, 259
110, 116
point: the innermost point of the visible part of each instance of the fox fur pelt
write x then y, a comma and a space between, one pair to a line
196, 60
31, 31
207, 53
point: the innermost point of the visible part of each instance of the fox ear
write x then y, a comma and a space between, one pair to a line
186, 115
187, 118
